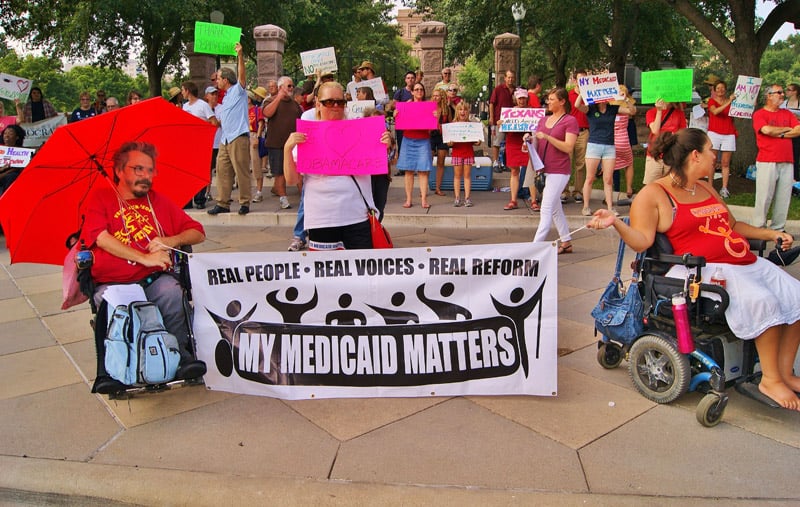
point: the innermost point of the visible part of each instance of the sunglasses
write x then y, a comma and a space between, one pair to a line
775, 93
333, 102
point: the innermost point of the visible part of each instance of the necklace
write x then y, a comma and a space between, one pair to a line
675, 182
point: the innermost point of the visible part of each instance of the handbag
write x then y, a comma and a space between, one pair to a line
70, 284
619, 315
380, 236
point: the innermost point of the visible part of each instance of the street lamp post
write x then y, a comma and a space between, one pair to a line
518, 11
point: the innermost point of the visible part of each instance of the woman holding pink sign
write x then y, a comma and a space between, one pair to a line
415, 155
335, 209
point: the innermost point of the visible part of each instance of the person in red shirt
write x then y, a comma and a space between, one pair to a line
721, 130
664, 117
775, 128
502, 96
764, 299
131, 231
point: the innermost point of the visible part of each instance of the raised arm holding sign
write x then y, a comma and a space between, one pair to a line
598, 88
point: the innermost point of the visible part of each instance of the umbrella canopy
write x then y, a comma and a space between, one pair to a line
47, 202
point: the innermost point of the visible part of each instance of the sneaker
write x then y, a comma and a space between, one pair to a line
285, 203
258, 197
243, 210
587, 212
496, 167
468, 202
723, 192
564, 197
457, 203
191, 369
578, 197
216, 210
297, 244
268, 175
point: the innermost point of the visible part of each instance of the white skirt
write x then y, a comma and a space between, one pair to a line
762, 295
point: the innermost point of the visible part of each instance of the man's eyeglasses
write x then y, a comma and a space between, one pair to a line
333, 102
140, 170
289, 86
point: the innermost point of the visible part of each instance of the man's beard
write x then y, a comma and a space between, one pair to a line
141, 193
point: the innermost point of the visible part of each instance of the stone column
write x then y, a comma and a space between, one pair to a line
270, 43
432, 35
506, 52
201, 65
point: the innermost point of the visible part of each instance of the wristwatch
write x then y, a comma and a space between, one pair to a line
783, 134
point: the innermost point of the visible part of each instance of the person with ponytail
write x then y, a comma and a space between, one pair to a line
764, 299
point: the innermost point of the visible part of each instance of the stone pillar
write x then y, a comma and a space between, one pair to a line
201, 65
506, 52
432, 35
270, 43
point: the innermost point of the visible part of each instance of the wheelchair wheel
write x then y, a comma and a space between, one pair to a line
657, 369
609, 355
710, 409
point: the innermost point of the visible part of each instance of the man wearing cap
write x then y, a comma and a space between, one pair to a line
367, 71
199, 108
444, 84
211, 96
282, 113
234, 149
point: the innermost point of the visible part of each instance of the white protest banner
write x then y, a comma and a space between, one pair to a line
375, 83
520, 119
356, 108
433, 321
39, 132
15, 157
599, 88
322, 60
462, 132
13, 87
747, 88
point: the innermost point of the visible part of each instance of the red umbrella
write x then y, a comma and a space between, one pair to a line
46, 203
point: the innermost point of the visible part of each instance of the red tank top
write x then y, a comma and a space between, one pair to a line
703, 228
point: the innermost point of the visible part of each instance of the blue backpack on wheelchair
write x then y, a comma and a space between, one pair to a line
139, 350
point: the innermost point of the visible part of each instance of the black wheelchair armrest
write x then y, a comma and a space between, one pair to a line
688, 260
758, 245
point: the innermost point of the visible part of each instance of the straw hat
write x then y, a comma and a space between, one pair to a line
261, 92
366, 64
712, 79
174, 92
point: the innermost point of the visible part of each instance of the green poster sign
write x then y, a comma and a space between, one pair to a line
673, 85
216, 39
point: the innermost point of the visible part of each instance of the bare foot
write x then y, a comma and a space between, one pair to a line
793, 383
780, 393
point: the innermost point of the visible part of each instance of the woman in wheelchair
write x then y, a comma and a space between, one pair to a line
764, 299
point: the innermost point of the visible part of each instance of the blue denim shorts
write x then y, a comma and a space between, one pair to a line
601, 151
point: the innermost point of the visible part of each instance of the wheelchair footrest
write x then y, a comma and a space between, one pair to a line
750, 389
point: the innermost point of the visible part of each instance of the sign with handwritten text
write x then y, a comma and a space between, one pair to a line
375, 83
462, 132
322, 60
416, 116
342, 148
216, 39
747, 88
13, 87
520, 119
599, 88
356, 108
15, 157
674, 85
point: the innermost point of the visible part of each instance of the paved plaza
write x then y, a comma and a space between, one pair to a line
597, 443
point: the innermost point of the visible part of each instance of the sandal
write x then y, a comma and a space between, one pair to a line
511, 205
426, 206
407, 205
565, 248
439, 192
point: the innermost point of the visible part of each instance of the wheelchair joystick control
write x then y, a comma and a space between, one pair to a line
680, 313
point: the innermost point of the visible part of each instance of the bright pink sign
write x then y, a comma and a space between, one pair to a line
416, 116
343, 147
5, 121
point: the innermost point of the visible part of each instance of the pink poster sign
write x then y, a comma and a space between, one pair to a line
344, 147
5, 121
416, 116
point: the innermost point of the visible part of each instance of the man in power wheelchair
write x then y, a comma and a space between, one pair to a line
129, 236
763, 301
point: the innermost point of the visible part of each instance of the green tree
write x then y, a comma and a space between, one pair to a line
733, 28
781, 61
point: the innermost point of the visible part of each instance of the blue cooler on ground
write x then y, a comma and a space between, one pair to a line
480, 174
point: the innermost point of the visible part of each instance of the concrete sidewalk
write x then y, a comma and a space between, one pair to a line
63, 445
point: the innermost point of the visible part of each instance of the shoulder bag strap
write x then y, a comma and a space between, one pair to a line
369, 210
